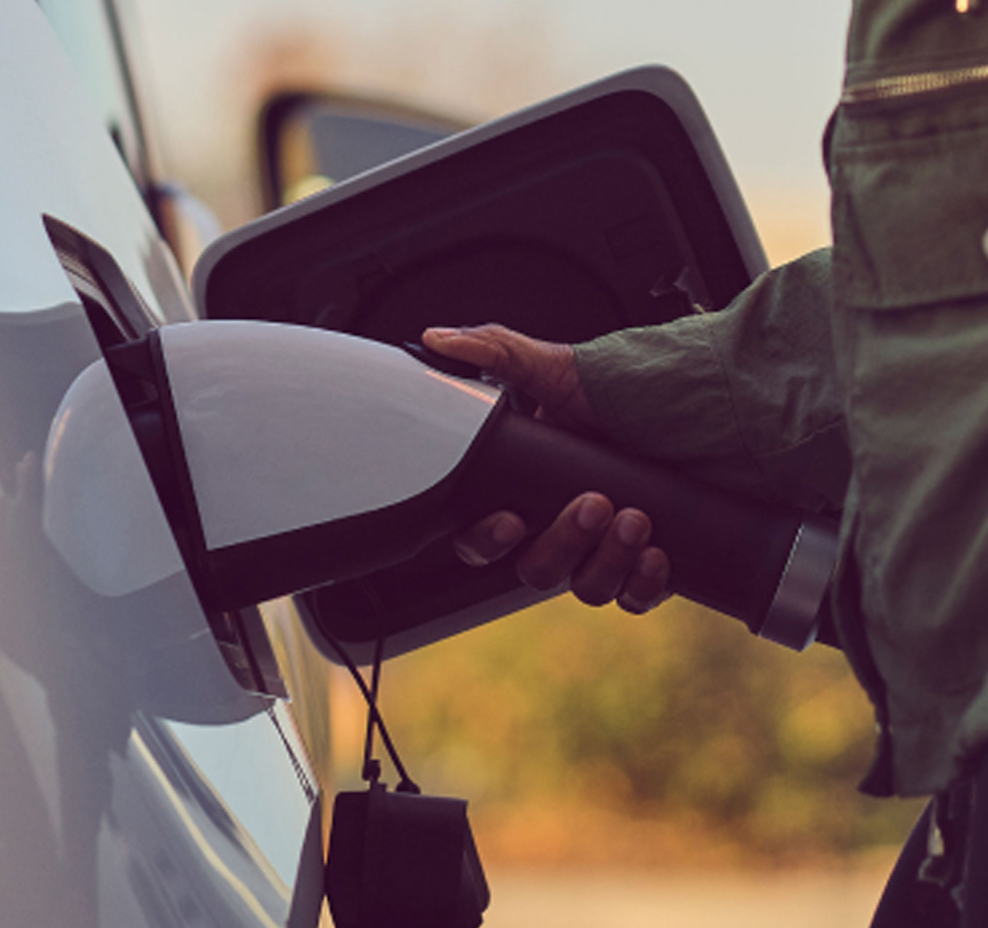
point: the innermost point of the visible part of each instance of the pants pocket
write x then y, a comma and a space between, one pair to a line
910, 220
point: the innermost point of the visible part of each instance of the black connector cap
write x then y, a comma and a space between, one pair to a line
403, 859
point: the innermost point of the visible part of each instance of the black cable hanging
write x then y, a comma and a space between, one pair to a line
374, 719
371, 770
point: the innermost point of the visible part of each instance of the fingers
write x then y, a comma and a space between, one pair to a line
490, 539
648, 584
561, 548
601, 578
546, 371
605, 557
506, 354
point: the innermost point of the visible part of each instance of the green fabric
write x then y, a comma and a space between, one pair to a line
746, 398
863, 385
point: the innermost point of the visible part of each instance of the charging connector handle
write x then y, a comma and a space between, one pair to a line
767, 566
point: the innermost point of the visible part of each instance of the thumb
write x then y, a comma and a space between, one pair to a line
546, 371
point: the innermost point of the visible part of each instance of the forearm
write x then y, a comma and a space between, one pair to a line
746, 398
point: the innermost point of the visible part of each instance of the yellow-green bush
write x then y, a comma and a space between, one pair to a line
678, 715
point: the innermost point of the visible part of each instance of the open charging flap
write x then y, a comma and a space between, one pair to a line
608, 207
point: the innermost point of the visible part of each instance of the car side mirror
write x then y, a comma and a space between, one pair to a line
309, 140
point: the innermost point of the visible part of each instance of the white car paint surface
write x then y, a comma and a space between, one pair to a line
141, 785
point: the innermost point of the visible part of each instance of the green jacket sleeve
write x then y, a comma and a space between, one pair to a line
745, 398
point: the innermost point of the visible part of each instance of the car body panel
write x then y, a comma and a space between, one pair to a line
142, 785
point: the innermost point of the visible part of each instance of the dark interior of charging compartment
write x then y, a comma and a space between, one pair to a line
592, 219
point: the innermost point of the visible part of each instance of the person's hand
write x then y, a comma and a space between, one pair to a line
604, 555
546, 371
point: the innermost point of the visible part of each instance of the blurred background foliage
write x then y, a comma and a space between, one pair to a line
587, 735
